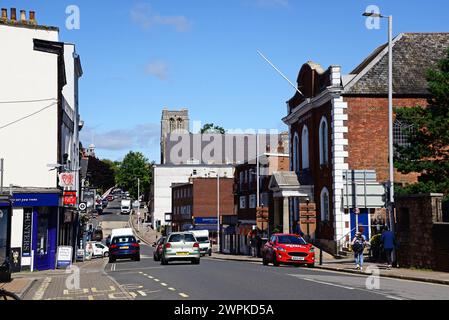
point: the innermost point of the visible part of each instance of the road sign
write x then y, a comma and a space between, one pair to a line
82, 207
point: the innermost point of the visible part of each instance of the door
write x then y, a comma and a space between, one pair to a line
363, 221
45, 238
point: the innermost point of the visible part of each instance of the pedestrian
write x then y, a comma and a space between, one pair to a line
388, 243
253, 244
358, 246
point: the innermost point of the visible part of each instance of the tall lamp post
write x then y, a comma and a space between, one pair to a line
218, 207
390, 114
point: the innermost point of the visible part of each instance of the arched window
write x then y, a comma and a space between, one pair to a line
325, 210
305, 148
324, 142
172, 125
296, 153
180, 124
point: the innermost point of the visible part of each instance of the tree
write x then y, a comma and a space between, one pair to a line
211, 128
428, 151
101, 175
134, 166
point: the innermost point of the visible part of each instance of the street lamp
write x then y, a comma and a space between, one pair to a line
218, 207
390, 113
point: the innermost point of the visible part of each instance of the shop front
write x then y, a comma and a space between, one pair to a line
35, 229
5, 218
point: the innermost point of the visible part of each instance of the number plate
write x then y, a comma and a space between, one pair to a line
298, 258
182, 253
124, 248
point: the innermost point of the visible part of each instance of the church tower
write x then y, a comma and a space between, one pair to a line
172, 121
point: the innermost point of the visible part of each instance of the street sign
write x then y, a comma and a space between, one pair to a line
82, 207
67, 179
69, 198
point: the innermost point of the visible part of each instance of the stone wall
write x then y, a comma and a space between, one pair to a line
422, 236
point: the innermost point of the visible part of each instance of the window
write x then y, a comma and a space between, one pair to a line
252, 201
296, 153
325, 214
324, 142
305, 148
401, 133
243, 202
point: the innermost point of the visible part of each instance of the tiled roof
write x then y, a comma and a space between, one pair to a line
413, 55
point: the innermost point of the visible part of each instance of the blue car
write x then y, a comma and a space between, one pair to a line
124, 247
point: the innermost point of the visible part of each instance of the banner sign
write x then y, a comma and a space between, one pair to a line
206, 221
64, 257
69, 198
67, 180
35, 200
26, 235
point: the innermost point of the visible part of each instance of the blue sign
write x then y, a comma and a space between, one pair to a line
35, 200
206, 221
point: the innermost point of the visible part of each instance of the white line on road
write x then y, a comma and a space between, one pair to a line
143, 294
183, 295
150, 277
328, 283
157, 280
172, 289
163, 284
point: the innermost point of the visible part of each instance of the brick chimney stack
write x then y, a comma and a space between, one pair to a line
13, 17
33, 17
23, 16
4, 16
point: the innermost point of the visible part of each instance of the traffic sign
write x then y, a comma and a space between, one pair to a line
82, 206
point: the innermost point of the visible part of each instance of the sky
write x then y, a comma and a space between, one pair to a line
140, 56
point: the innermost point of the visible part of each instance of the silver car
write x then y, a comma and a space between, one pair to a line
181, 246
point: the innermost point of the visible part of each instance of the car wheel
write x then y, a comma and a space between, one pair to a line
196, 261
210, 253
164, 262
311, 265
137, 258
106, 254
275, 260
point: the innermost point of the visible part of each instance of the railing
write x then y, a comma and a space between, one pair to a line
345, 243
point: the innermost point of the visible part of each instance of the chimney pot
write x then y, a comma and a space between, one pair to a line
32, 17
23, 16
4, 14
13, 14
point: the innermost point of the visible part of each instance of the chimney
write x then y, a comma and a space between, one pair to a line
13, 15
33, 17
23, 16
4, 16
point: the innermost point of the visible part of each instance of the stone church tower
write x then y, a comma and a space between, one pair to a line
172, 121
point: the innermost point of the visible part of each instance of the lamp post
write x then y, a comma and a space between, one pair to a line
390, 114
218, 207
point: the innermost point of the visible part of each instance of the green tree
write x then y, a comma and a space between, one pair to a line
211, 128
428, 152
134, 166
101, 175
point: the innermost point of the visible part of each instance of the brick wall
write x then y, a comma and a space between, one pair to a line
368, 134
423, 239
205, 197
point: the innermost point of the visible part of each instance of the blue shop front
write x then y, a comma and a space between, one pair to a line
34, 235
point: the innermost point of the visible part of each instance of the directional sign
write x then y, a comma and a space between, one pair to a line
82, 206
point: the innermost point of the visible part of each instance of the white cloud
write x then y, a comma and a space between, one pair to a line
144, 16
157, 68
140, 136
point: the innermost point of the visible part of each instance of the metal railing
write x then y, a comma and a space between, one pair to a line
345, 241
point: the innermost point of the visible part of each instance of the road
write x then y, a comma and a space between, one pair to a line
231, 280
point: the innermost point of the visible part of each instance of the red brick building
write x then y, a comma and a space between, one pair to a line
339, 129
195, 203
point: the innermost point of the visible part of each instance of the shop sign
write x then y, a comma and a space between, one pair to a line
67, 180
26, 235
69, 198
64, 257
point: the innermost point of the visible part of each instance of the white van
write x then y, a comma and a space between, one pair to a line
125, 207
202, 236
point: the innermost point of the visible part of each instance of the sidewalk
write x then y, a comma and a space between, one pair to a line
145, 234
347, 266
94, 283
18, 286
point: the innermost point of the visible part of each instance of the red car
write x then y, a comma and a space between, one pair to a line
288, 249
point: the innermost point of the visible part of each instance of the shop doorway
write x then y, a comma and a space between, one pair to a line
45, 238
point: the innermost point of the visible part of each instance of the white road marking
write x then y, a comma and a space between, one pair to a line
394, 298
328, 283
143, 294
150, 277
157, 280
183, 295
172, 289
41, 291
163, 284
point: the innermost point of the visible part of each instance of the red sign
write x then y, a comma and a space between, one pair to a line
69, 198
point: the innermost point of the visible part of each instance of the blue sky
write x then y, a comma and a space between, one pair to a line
140, 56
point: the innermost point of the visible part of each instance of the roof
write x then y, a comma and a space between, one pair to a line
284, 179
413, 55
19, 24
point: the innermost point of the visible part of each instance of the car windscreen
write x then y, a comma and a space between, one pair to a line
124, 239
291, 240
203, 239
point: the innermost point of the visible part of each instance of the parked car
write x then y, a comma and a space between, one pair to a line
288, 249
203, 238
124, 247
158, 246
181, 246
97, 235
100, 250
125, 207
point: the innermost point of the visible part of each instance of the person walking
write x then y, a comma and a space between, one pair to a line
358, 245
388, 242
